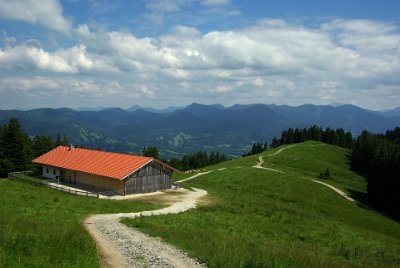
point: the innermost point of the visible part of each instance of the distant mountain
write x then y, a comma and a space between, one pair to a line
392, 113
148, 109
230, 130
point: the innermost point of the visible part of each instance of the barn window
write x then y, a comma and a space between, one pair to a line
47, 170
54, 172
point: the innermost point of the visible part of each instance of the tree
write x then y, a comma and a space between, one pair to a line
151, 151
63, 142
42, 144
325, 175
257, 148
377, 157
16, 152
274, 143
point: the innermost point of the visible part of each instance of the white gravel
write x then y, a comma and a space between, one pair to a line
122, 246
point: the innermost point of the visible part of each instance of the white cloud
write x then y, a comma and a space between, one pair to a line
47, 13
30, 57
273, 60
72, 60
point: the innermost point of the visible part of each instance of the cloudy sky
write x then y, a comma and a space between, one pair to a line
157, 53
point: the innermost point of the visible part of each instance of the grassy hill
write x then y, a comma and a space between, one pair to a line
40, 227
262, 218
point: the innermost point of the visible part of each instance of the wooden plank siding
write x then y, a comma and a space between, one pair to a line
68, 176
100, 182
150, 178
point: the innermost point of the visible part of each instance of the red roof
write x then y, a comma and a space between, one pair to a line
113, 165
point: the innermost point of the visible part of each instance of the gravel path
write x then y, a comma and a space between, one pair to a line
122, 246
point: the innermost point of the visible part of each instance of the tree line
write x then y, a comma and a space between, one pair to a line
190, 161
17, 149
256, 148
336, 137
377, 157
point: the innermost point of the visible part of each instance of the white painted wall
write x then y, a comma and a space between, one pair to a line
50, 172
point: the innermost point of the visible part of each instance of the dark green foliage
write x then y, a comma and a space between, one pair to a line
197, 160
325, 175
377, 157
257, 148
42, 144
63, 142
15, 148
335, 137
151, 151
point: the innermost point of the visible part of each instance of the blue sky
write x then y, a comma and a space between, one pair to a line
157, 53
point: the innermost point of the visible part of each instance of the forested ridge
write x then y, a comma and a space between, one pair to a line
336, 137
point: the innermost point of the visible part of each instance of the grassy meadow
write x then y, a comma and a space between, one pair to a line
260, 218
41, 227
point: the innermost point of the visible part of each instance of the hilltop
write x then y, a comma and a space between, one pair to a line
278, 216
181, 130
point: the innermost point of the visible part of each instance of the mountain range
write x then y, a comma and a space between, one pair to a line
179, 130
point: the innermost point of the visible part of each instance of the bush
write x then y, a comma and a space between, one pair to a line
325, 175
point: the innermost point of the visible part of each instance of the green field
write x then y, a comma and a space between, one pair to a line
261, 218
40, 227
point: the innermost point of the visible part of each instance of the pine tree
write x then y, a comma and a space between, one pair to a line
16, 148
42, 144
151, 151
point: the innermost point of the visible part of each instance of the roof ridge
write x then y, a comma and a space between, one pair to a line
105, 152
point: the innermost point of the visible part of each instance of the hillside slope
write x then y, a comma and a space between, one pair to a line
265, 218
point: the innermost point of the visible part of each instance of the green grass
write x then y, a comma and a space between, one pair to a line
261, 218
40, 227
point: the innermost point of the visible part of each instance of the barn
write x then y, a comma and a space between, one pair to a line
121, 173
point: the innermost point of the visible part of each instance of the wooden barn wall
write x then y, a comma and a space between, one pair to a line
68, 175
150, 178
100, 182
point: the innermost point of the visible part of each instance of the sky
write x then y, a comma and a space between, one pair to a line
160, 53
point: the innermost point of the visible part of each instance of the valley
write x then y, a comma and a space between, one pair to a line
197, 127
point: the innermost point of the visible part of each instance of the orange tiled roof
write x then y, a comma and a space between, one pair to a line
113, 165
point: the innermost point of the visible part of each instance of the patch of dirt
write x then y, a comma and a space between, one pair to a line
168, 198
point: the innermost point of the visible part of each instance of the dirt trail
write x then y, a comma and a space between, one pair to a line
195, 176
261, 160
336, 190
280, 150
122, 246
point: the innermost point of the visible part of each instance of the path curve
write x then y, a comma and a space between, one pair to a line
195, 176
122, 246
280, 150
340, 192
261, 162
